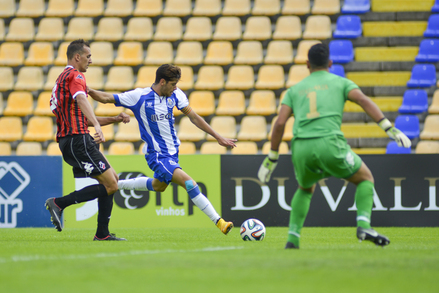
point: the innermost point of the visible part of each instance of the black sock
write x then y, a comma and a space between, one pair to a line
105, 205
85, 194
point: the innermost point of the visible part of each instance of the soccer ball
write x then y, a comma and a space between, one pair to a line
252, 230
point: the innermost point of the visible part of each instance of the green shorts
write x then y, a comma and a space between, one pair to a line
318, 158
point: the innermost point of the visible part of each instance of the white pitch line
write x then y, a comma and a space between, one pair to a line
28, 258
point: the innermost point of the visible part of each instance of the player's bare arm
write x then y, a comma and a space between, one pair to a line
101, 97
122, 117
86, 108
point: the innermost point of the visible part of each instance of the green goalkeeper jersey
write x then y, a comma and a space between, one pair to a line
317, 103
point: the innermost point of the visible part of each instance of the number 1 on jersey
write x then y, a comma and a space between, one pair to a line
312, 96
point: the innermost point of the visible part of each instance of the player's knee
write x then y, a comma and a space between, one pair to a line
111, 186
159, 186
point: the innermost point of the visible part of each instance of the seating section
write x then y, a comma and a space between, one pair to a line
237, 57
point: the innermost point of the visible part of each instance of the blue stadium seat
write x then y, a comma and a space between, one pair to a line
428, 51
414, 101
348, 27
341, 51
423, 75
337, 69
432, 30
393, 148
409, 124
435, 7
355, 6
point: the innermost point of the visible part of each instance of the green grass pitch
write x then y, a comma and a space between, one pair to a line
204, 260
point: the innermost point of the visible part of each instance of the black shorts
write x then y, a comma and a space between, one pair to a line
82, 153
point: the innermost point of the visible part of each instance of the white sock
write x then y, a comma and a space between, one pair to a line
139, 183
204, 205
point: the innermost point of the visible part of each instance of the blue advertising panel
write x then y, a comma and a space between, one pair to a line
25, 184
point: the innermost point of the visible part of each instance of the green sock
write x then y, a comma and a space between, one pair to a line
299, 209
364, 203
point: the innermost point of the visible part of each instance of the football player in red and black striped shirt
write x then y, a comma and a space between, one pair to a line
74, 114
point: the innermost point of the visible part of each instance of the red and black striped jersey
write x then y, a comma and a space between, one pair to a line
69, 117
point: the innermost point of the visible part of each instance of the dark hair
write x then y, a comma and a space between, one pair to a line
76, 47
318, 56
167, 72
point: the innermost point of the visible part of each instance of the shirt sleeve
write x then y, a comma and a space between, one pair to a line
288, 98
77, 85
182, 100
128, 99
349, 85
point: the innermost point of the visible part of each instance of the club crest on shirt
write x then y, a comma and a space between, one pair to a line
170, 102
102, 165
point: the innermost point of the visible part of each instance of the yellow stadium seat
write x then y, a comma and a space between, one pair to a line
368, 54
187, 78
189, 53
145, 76
50, 29
231, 103
253, 128
207, 8
107, 130
39, 54
224, 125
102, 53
11, 54
80, 28
5, 149
288, 130
121, 148
139, 29
26, 148
236, 7
427, 147
53, 149
159, 53
434, 106
20, 30
29, 78
283, 148
210, 77
187, 148
2, 29
296, 74
178, 8
386, 104
245, 148
61, 57
198, 29
127, 132
30, 8
266, 7
119, 78
11, 128
379, 78
296, 7
219, 52
169, 29
6, 78
39, 129
19, 104
90, 8
257, 28
187, 131
288, 27
212, 148
362, 130
369, 151
270, 77
148, 8
400, 5
249, 52
394, 28
109, 29
431, 128
202, 102
107, 109
120, 8
317, 27
228, 28
43, 105
129, 53
95, 77
262, 102
8, 8
327, 7
279, 52
302, 50
240, 77
60, 8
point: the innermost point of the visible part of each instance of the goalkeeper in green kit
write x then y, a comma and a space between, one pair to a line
318, 147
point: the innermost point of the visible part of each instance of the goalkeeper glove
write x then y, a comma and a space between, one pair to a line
394, 133
268, 166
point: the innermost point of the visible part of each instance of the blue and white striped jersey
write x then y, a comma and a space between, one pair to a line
155, 117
